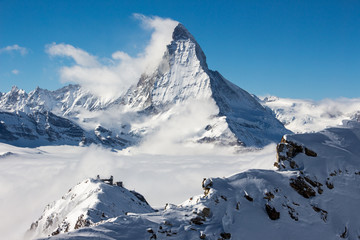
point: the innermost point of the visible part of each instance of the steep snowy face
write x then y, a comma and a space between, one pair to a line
37, 129
180, 76
89, 202
186, 77
13, 99
183, 76
315, 197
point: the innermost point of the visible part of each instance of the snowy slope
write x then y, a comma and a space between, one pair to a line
225, 113
299, 115
89, 202
45, 128
315, 198
183, 77
39, 128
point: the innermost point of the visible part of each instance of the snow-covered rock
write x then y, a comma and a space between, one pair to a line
91, 201
317, 199
228, 115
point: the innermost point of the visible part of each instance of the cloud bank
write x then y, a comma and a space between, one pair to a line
14, 48
109, 81
31, 178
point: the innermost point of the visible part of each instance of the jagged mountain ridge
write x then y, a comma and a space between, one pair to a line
315, 197
182, 77
45, 128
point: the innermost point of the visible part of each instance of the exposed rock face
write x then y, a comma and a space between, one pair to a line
299, 185
272, 213
287, 150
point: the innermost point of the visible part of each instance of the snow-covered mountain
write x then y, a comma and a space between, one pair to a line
45, 128
90, 202
314, 195
227, 114
300, 116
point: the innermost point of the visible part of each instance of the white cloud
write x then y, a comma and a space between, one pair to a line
81, 57
109, 81
15, 72
23, 51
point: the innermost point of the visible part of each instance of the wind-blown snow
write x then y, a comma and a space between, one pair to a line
109, 81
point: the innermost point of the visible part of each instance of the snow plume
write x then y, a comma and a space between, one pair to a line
109, 81
177, 130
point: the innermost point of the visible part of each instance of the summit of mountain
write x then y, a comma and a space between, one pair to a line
181, 85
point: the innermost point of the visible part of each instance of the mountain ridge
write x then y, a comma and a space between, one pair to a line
182, 78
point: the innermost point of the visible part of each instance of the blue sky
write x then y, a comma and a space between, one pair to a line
297, 49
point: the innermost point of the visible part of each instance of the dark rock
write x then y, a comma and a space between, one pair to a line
293, 214
206, 185
269, 196
205, 212
223, 197
314, 183
81, 222
225, 235
310, 153
250, 199
322, 212
300, 186
286, 150
272, 213
329, 185
345, 233
197, 220
55, 232
139, 196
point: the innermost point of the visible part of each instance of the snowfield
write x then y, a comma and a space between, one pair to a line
314, 195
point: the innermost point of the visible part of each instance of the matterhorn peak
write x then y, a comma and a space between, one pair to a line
184, 40
181, 33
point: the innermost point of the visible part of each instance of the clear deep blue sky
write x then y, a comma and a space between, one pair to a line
297, 49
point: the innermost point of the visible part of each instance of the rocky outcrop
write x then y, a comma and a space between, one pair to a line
287, 150
272, 213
